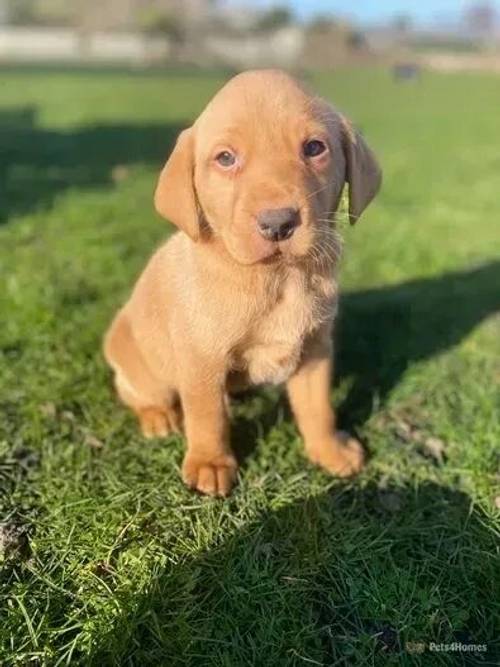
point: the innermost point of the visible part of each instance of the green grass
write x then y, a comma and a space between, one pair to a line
105, 557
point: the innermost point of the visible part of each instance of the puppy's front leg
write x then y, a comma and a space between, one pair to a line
209, 464
309, 394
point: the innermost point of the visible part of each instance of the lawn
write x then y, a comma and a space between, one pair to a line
105, 557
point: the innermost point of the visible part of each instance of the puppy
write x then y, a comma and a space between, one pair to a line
245, 292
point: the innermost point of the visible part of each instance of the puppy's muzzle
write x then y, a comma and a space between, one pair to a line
278, 224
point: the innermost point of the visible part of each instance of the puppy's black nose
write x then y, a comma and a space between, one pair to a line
278, 224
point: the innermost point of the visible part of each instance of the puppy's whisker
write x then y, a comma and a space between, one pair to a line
315, 192
326, 251
340, 212
339, 216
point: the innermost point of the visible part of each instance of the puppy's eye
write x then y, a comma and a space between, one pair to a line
313, 148
225, 159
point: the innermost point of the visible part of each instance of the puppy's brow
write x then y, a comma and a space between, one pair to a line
232, 129
229, 134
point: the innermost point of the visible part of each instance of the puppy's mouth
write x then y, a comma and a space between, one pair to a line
263, 251
275, 255
280, 251
254, 249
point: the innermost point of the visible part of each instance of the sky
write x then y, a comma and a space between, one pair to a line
376, 10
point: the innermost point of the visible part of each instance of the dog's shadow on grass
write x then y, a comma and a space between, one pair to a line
383, 331
343, 578
39, 163
380, 333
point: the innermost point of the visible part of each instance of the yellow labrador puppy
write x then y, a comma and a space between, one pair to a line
245, 292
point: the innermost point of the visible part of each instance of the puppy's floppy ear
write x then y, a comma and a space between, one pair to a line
363, 172
175, 197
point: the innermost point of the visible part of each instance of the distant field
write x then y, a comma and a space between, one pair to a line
105, 558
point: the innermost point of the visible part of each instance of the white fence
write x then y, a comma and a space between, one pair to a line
283, 47
62, 44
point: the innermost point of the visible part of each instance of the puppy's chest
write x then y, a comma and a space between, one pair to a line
273, 348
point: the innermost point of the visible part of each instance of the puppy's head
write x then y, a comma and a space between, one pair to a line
263, 169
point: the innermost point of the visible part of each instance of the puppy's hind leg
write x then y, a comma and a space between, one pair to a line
159, 415
156, 405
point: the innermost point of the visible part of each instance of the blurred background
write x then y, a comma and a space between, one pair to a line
301, 34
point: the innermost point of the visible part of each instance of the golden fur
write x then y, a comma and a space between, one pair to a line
220, 307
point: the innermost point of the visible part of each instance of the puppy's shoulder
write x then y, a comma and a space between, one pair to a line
158, 274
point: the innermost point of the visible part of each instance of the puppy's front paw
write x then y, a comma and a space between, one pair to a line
214, 476
340, 455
